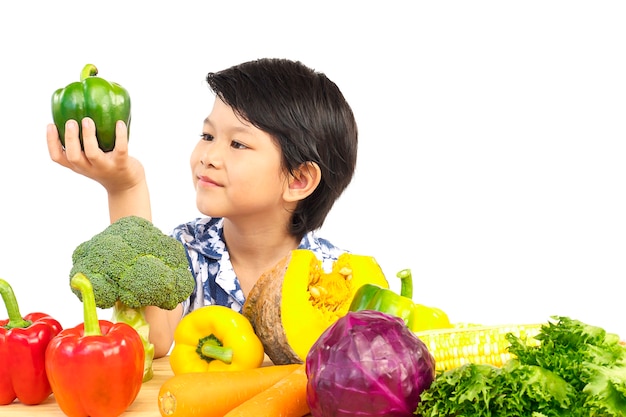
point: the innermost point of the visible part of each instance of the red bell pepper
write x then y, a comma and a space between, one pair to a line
23, 343
95, 368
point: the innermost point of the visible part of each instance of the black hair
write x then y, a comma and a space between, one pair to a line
308, 116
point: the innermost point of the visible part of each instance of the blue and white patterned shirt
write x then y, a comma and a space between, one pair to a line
216, 282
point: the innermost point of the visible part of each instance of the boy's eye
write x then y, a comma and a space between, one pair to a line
238, 145
206, 136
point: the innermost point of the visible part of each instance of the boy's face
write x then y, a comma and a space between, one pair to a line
236, 169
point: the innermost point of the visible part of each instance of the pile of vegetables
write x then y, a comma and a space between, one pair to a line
576, 370
366, 364
95, 368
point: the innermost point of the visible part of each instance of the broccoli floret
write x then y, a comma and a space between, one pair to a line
133, 262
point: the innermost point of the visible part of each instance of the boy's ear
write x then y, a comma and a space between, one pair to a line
303, 182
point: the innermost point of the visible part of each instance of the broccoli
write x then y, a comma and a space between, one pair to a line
131, 264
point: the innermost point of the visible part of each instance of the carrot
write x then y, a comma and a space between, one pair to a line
286, 398
214, 393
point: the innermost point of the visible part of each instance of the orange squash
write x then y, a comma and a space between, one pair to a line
292, 304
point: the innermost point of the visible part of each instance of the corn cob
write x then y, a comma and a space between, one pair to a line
475, 344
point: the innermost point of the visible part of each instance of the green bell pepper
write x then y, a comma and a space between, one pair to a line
418, 317
103, 101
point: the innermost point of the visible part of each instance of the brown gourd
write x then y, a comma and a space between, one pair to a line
292, 304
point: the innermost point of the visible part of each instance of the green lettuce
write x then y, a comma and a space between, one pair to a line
577, 370
485, 390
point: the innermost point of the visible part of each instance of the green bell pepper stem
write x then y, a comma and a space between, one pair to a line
210, 348
15, 318
406, 289
89, 70
91, 323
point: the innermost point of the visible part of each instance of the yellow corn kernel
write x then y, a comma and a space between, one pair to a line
454, 347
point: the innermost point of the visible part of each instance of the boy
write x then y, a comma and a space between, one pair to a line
277, 150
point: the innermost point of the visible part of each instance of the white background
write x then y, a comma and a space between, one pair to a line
492, 139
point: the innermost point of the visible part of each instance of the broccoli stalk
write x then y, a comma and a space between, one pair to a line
131, 264
136, 317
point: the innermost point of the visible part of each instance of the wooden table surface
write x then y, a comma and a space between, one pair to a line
145, 405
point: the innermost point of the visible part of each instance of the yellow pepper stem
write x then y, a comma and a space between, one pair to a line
210, 348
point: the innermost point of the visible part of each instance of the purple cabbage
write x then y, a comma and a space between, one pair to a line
367, 364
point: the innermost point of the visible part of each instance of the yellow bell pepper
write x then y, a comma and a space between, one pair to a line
215, 338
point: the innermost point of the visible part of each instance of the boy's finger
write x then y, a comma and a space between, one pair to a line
121, 138
73, 151
90, 141
55, 148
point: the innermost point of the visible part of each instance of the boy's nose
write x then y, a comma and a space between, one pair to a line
212, 156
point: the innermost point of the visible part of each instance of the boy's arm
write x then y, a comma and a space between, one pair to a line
131, 201
162, 325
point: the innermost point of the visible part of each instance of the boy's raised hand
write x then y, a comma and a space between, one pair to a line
114, 170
